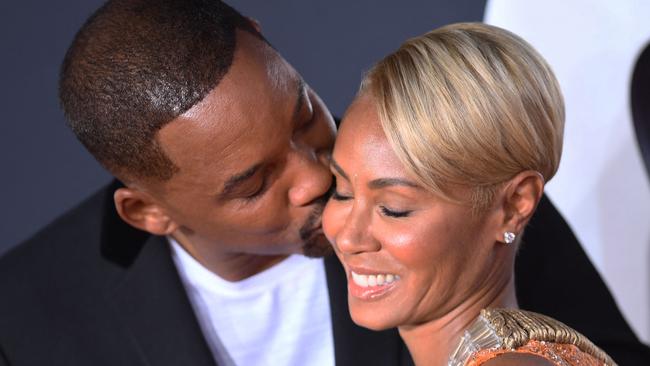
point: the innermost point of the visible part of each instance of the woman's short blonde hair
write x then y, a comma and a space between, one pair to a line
469, 105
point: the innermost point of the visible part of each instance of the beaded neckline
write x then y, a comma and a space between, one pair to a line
509, 329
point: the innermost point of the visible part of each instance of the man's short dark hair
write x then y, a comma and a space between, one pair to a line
136, 65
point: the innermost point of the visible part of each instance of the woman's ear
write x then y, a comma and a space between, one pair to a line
520, 198
141, 211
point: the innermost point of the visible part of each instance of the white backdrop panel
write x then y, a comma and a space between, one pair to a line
601, 188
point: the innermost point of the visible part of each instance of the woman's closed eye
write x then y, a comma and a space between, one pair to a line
394, 213
337, 196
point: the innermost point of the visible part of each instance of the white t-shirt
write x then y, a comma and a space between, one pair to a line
280, 316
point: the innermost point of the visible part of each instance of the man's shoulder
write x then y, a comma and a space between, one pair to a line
81, 223
61, 257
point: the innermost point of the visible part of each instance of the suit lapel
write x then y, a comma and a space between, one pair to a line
151, 303
148, 299
354, 345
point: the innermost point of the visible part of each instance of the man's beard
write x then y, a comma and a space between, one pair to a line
316, 246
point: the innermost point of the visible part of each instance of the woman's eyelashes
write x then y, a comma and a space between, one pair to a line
394, 213
338, 196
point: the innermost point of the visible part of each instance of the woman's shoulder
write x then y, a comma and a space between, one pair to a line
503, 336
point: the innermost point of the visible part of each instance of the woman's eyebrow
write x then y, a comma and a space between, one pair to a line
387, 182
375, 183
338, 168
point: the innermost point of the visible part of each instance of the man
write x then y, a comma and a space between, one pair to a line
222, 151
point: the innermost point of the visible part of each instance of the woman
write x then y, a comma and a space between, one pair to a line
440, 162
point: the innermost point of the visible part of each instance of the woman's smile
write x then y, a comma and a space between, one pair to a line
370, 284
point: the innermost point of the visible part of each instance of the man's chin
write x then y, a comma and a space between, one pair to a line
317, 247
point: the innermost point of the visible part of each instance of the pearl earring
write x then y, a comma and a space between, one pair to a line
509, 237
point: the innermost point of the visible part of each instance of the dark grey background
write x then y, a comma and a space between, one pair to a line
46, 171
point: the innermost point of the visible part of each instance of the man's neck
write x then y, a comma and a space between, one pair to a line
431, 343
238, 267
232, 267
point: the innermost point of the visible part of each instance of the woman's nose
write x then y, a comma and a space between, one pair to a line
355, 235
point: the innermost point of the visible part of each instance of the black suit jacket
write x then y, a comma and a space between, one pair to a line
91, 290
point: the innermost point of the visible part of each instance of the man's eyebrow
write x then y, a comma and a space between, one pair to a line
338, 168
238, 179
300, 99
387, 182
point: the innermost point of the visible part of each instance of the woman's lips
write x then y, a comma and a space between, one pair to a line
370, 285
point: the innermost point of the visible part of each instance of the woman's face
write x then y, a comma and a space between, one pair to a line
410, 256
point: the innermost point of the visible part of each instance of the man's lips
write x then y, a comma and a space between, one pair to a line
313, 226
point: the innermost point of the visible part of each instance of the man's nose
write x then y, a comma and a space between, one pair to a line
312, 177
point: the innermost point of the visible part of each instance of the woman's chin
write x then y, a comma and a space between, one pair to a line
370, 319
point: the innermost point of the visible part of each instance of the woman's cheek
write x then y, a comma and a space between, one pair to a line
411, 241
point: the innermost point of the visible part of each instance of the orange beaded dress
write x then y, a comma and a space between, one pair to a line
499, 331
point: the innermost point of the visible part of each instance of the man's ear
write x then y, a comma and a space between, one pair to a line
255, 24
520, 198
141, 211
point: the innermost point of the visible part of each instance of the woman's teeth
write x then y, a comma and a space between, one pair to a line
373, 280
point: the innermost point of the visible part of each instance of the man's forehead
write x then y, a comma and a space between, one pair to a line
207, 155
230, 130
256, 65
257, 78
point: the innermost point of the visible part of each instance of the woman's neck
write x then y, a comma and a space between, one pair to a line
432, 342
